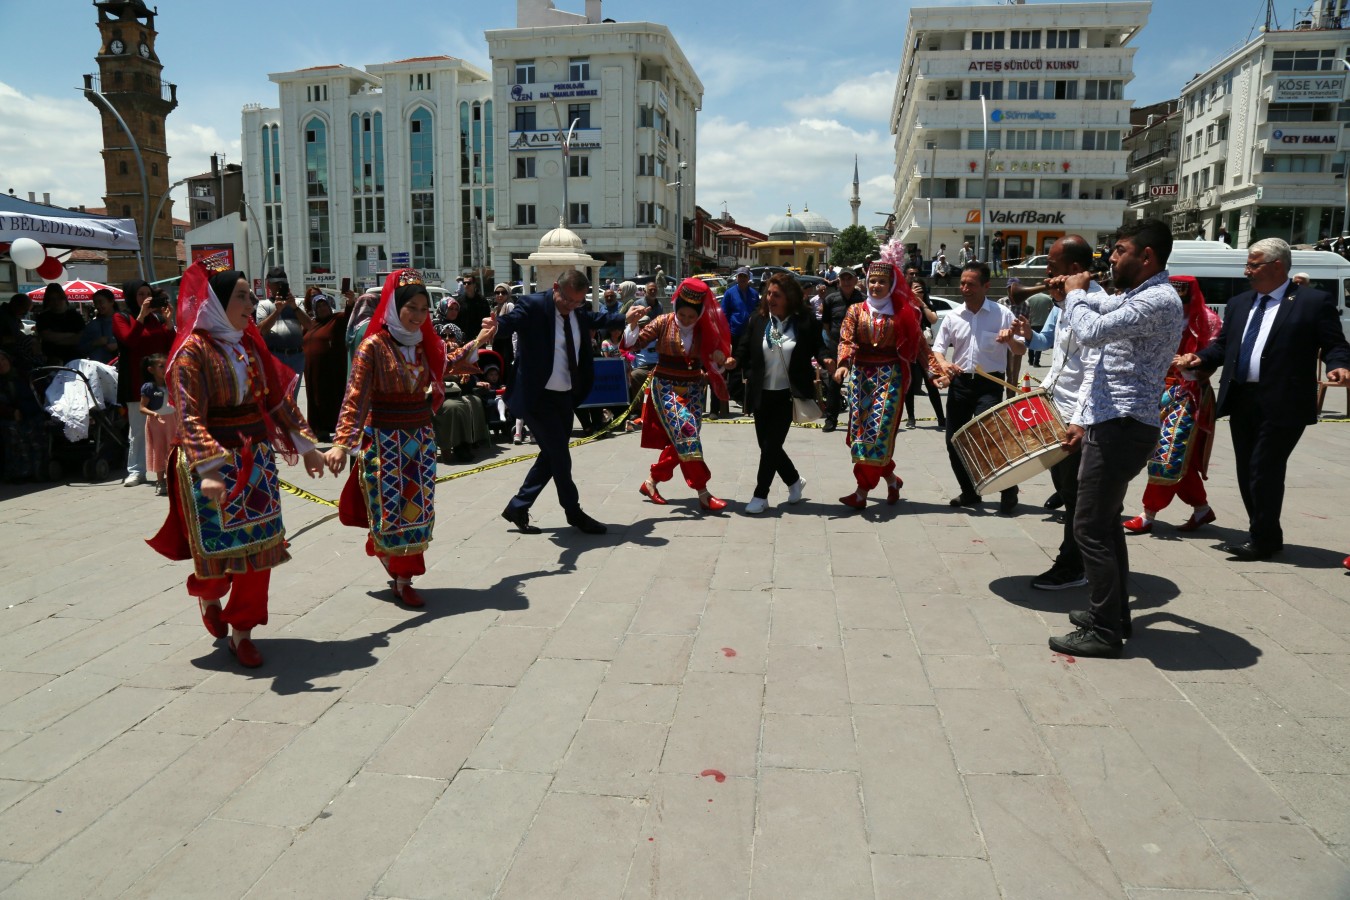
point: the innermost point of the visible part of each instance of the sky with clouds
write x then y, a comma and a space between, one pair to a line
791, 91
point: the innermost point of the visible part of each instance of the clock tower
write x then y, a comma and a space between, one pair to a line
129, 76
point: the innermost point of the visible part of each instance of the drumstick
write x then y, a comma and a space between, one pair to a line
1012, 387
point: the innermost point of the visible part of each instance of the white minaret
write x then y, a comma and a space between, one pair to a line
856, 201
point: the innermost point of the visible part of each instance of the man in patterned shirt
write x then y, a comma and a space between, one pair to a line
1136, 333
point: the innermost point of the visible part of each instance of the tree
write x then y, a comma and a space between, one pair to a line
853, 245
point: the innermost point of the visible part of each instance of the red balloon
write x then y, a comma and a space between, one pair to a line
51, 268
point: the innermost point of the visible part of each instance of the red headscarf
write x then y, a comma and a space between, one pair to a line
402, 285
1202, 323
712, 330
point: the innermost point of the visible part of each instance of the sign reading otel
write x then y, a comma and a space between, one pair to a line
1164, 190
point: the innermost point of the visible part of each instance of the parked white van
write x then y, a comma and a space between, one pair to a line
1218, 268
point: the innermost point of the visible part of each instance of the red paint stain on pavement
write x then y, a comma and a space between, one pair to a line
1065, 657
719, 777
976, 541
728, 652
651, 840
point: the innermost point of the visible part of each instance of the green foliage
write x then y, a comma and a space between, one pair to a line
853, 245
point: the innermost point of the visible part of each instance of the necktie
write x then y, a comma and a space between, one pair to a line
1244, 363
571, 347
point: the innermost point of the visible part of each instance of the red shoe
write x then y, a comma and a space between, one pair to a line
246, 653
211, 618
408, 595
712, 504
893, 491
1193, 523
1346, 562
652, 494
854, 501
1137, 525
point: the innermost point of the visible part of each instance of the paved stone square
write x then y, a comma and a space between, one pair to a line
812, 703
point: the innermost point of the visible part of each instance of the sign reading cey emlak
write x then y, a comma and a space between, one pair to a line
1287, 140
1308, 87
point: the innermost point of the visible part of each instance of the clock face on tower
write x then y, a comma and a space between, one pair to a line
117, 47
145, 50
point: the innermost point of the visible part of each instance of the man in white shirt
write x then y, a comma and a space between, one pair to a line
979, 334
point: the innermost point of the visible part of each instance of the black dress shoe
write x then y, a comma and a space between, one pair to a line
968, 500
1007, 504
582, 522
830, 425
1082, 618
1054, 501
521, 519
1085, 642
1249, 552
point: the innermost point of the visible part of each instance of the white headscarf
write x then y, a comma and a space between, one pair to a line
391, 321
211, 318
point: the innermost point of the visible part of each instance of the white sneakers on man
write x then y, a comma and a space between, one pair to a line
796, 491
133, 479
756, 506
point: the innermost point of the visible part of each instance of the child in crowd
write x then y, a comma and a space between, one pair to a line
161, 421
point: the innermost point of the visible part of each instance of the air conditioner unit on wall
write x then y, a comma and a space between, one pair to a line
952, 93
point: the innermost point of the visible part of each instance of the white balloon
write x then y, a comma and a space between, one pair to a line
27, 253
59, 279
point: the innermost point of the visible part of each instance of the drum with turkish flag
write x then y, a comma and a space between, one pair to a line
1009, 443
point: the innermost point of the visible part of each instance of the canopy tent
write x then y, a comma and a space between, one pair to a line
80, 291
52, 226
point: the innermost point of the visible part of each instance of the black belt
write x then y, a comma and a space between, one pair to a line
978, 375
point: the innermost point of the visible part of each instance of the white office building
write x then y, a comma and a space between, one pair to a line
1263, 144
634, 99
1042, 155
357, 172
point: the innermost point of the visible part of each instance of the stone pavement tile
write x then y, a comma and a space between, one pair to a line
11, 872
1053, 689
1160, 894
1280, 861
1326, 609
196, 714
920, 574
108, 856
19, 647
66, 805
618, 583
810, 681
1322, 800
618, 701
347, 850
991, 732
810, 838
1007, 623
1039, 845
411, 669
501, 656
14, 685
339, 613
1150, 838
440, 734
803, 616
804, 569
53, 701
737, 621
1129, 678
944, 625
1209, 777
11, 792
539, 722
716, 726
933, 877
1297, 686
545, 605
1269, 738
912, 794
592, 631
59, 746
972, 572
651, 659
1289, 627
299, 782
669, 607
869, 603
696, 841
466, 843
809, 742
143, 651
578, 846
1333, 732
1335, 666
200, 866
300, 708
744, 571
617, 759
884, 667
966, 672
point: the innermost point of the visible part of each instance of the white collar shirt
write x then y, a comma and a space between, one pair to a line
968, 339
561, 379
1277, 297
1069, 364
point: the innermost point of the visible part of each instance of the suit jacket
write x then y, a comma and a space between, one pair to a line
750, 357
533, 320
1306, 322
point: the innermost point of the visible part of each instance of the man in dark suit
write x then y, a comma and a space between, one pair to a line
1268, 349
554, 372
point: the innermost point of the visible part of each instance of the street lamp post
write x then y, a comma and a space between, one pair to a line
932, 182
566, 141
265, 251
146, 258
984, 191
1345, 173
678, 185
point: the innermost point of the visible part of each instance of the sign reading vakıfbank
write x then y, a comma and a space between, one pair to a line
1021, 217
1308, 87
582, 139
562, 90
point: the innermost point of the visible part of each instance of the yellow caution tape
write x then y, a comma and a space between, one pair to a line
304, 494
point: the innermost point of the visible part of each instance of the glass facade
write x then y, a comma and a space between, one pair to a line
422, 168
271, 154
316, 190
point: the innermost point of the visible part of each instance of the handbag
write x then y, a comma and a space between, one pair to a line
804, 411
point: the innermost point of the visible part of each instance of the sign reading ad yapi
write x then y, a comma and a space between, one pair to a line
1308, 87
1303, 139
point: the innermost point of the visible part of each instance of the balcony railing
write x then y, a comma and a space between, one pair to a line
168, 92
1137, 159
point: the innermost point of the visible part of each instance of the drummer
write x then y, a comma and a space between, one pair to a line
975, 336
1068, 256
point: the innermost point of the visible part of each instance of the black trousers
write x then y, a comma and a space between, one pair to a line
773, 421
1261, 451
1064, 476
1113, 453
967, 397
834, 400
918, 379
550, 421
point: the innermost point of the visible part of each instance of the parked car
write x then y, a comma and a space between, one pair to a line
1032, 269
942, 306
718, 283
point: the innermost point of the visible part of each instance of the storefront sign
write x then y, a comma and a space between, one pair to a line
582, 139
1024, 65
1163, 190
1018, 115
1291, 139
322, 279
1308, 87
224, 251
1021, 217
568, 90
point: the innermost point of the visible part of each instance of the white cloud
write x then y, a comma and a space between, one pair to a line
868, 98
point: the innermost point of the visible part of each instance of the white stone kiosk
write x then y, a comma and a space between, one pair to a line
560, 250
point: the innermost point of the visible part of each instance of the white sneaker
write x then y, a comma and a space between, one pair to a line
795, 492
133, 479
756, 506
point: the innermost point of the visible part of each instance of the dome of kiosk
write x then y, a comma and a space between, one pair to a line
815, 223
561, 240
788, 229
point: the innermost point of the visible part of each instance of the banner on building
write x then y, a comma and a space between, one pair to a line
224, 251
1302, 88
1291, 140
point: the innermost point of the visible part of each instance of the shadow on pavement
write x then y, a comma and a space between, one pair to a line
1146, 592
1194, 647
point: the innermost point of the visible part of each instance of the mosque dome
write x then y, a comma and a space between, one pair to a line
815, 223
788, 228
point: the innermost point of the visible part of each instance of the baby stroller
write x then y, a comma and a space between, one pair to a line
105, 428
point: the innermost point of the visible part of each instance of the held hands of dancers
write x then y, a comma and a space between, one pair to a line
314, 463
1021, 327
335, 459
213, 489
634, 314
486, 334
